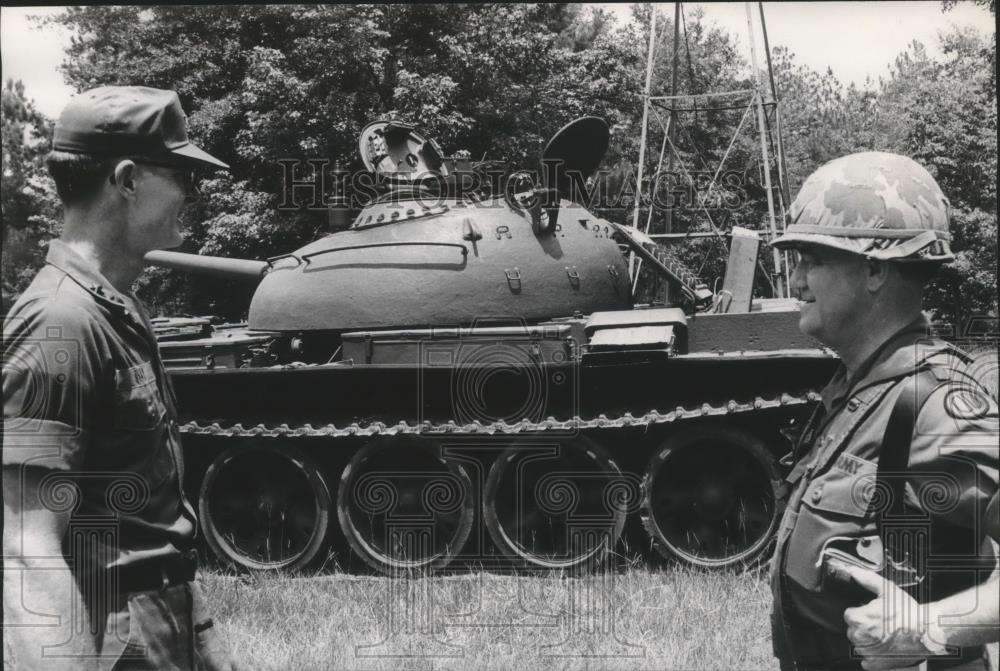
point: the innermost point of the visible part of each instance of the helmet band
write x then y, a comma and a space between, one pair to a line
848, 232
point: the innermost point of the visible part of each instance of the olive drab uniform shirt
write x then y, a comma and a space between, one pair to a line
951, 479
86, 398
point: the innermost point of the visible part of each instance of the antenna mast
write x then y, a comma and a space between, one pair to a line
779, 279
642, 139
750, 101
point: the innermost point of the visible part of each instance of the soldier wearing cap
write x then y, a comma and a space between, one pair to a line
869, 230
99, 563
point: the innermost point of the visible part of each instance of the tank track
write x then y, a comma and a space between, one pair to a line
653, 417
730, 408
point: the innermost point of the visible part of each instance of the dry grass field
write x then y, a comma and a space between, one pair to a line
639, 618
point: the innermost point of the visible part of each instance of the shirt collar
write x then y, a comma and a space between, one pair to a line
902, 353
87, 276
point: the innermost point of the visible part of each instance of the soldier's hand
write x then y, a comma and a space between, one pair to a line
888, 631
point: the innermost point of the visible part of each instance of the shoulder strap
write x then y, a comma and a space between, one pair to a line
894, 457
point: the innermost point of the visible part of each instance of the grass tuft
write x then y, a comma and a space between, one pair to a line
639, 618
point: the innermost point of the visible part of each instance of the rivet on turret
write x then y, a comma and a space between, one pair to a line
410, 212
395, 215
380, 217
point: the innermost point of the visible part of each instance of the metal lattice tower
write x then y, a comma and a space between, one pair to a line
759, 102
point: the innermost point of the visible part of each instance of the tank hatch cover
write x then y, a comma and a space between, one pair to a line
394, 150
577, 148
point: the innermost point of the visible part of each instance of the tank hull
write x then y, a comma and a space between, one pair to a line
498, 416
349, 399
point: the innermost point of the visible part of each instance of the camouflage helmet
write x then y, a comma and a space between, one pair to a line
883, 206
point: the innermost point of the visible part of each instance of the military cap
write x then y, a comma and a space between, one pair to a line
883, 206
135, 121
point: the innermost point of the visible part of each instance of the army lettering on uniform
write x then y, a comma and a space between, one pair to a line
848, 464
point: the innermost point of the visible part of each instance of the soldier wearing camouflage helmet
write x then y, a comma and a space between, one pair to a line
884, 556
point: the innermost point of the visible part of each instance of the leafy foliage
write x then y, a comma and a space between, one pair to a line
266, 83
29, 204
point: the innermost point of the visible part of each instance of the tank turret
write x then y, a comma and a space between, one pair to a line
424, 252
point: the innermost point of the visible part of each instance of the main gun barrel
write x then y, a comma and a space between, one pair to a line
217, 266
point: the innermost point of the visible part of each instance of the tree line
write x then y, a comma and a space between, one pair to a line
263, 84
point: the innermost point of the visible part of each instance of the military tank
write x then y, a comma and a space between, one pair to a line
462, 376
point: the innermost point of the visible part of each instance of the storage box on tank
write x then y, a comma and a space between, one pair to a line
226, 350
543, 343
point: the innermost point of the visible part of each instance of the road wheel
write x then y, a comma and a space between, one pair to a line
710, 497
557, 505
404, 508
265, 507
